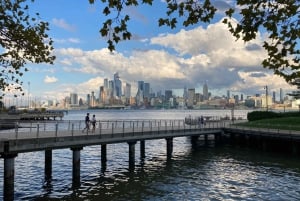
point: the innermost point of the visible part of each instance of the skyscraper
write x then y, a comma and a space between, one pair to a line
73, 99
117, 85
102, 95
127, 91
140, 93
191, 96
168, 95
205, 91
147, 90
140, 85
105, 83
185, 93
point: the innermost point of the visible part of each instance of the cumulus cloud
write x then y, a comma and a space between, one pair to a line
49, 79
208, 54
68, 40
63, 24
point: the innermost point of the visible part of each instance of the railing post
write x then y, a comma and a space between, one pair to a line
56, 129
72, 129
37, 130
132, 128
44, 126
69, 125
30, 126
151, 126
123, 127
112, 129
158, 126
100, 128
142, 127
165, 125
16, 129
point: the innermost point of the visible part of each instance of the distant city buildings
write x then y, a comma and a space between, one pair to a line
114, 93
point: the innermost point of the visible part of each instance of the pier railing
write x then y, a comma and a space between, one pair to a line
42, 129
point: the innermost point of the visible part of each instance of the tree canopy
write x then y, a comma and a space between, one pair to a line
280, 18
23, 39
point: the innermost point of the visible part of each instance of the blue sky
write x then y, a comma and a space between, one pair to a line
167, 59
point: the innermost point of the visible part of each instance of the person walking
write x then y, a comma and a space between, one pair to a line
94, 123
87, 122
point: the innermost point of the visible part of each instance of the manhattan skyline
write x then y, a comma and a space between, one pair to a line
168, 59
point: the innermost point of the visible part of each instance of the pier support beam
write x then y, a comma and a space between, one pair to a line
169, 147
218, 138
295, 148
131, 154
76, 166
103, 156
206, 139
194, 140
142, 148
48, 164
9, 176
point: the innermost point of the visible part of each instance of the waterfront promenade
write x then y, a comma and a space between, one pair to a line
50, 135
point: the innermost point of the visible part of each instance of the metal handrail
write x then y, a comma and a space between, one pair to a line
71, 128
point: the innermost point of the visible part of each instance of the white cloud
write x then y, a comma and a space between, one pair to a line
68, 40
203, 54
49, 79
63, 24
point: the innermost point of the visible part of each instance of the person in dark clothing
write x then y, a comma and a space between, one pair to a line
87, 122
93, 123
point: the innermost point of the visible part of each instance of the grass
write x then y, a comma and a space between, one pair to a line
283, 123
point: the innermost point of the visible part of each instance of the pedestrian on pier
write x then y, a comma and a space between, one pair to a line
94, 123
87, 122
202, 121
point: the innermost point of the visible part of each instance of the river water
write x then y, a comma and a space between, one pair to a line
201, 173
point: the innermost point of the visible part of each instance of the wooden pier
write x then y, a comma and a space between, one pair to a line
51, 135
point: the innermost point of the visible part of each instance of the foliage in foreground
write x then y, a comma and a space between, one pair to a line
23, 39
280, 19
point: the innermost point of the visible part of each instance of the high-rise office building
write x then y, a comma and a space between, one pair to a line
73, 99
140, 85
117, 85
147, 90
93, 100
274, 97
110, 91
205, 91
281, 95
102, 95
191, 97
185, 93
127, 91
228, 94
105, 83
168, 94
88, 99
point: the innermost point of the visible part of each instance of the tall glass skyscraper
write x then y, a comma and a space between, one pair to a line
147, 90
205, 91
117, 86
